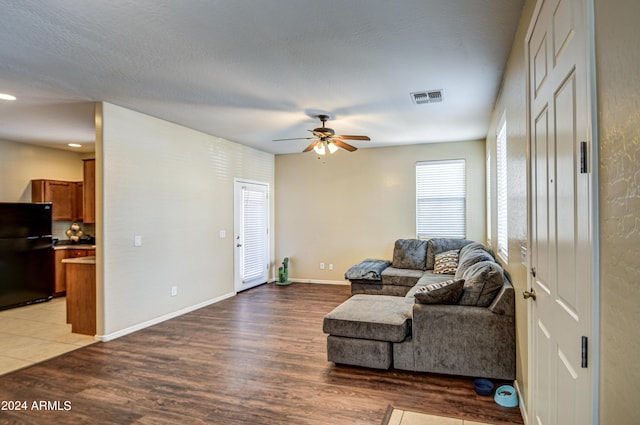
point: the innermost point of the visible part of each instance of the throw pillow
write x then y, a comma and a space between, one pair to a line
409, 254
447, 292
446, 262
482, 283
438, 245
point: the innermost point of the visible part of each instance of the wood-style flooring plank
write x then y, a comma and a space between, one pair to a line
258, 358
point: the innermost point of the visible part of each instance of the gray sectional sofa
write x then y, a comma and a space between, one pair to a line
441, 306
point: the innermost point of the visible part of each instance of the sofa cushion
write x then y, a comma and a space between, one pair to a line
470, 257
427, 279
473, 245
482, 283
401, 277
377, 317
447, 292
409, 254
377, 288
446, 262
438, 245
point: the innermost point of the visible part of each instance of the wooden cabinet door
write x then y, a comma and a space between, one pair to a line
61, 195
61, 277
78, 201
89, 191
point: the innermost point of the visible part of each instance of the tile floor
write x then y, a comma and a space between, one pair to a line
406, 417
34, 333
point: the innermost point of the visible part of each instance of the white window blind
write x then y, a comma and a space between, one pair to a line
254, 234
488, 180
441, 199
501, 177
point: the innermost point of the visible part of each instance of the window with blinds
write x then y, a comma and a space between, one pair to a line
254, 234
501, 195
489, 208
441, 199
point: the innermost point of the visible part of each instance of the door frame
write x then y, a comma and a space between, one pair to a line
594, 344
237, 280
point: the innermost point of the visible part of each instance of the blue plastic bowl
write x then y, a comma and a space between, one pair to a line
506, 396
483, 386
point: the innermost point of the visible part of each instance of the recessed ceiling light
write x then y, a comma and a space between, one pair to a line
74, 145
5, 96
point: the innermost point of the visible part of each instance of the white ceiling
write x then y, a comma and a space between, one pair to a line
252, 71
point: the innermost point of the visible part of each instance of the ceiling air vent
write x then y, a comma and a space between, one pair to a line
429, 96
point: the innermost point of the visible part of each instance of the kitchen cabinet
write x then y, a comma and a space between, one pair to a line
66, 197
60, 285
89, 191
72, 201
60, 193
81, 294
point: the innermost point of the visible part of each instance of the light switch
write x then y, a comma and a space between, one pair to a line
223, 234
137, 240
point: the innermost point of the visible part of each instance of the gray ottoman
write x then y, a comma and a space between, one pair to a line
362, 329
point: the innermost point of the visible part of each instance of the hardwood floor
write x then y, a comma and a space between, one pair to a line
256, 358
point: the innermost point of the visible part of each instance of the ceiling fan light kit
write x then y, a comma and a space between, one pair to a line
324, 139
319, 148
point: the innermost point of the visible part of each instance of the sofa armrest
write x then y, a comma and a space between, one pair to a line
463, 340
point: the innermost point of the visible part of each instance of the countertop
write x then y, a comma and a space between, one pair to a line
74, 246
80, 260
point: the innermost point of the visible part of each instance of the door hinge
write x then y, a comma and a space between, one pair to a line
585, 348
583, 158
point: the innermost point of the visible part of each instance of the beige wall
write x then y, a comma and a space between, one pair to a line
352, 206
20, 163
174, 187
512, 102
618, 77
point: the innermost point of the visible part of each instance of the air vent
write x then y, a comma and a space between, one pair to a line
429, 96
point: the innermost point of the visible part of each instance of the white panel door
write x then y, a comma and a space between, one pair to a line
251, 234
561, 220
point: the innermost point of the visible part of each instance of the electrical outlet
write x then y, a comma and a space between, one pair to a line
174, 291
137, 240
330, 266
321, 266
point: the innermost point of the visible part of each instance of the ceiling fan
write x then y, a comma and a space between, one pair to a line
325, 139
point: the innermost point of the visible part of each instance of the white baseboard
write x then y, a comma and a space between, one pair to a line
165, 317
521, 403
323, 282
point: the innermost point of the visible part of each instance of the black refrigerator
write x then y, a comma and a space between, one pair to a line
26, 254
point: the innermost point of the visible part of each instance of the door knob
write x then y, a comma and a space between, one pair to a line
529, 294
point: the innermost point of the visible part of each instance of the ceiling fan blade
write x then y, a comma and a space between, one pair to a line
295, 138
311, 146
343, 137
344, 145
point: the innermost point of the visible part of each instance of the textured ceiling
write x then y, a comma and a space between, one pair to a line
252, 71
